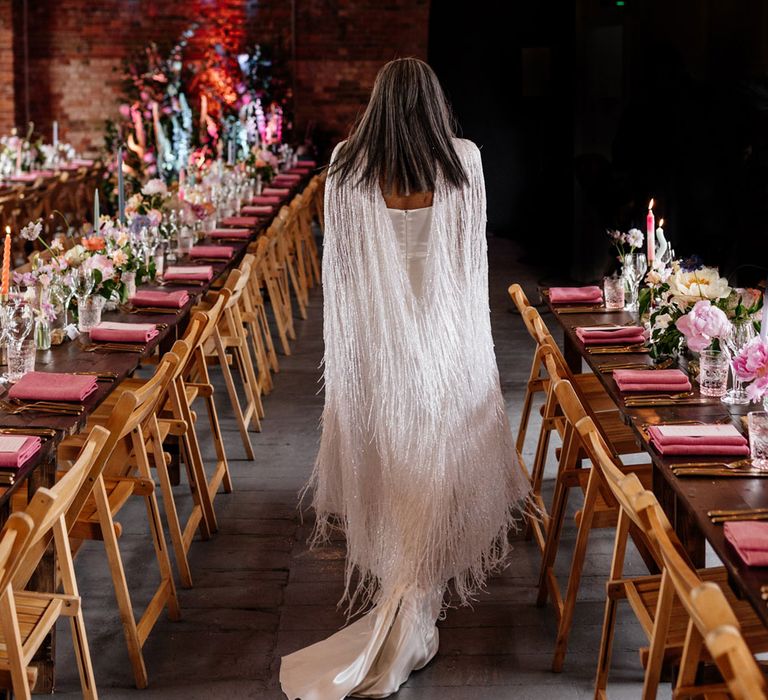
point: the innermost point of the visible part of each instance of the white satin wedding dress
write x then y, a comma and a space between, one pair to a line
416, 462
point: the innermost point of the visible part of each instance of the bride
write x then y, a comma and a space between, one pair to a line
416, 463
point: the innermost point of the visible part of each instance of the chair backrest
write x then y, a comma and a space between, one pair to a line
519, 297
24, 531
236, 283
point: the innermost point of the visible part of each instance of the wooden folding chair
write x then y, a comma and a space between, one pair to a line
253, 317
26, 617
128, 473
256, 313
318, 201
290, 246
279, 263
662, 617
266, 257
599, 509
309, 259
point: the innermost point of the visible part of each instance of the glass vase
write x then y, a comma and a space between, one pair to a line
43, 334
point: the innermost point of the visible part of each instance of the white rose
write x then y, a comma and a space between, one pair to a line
75, 255
661, 322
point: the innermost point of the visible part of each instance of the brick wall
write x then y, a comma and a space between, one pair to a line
77, 47
6, 68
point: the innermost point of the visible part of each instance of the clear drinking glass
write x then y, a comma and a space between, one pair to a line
186, 240
83, 282
758, 439
634, 267
89, 312
713, 373
21, 359
741, 333
613, 291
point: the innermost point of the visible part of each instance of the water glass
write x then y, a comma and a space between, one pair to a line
634, 267
758, 439
613, 291
713, 373
21, 359
740, 334
89, 313
186, 240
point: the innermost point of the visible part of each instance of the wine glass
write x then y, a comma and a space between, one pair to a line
741, 333
83, 282
635, 265
17, 321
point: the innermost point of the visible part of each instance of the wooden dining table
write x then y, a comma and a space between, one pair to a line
72, 356
686, 500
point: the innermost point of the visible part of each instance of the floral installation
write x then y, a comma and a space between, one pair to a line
626, 243
145, 208
751, 367
261, 162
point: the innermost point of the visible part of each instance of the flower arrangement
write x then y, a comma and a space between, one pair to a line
704, 326
145, 208
261, 162
751, 367
626, 243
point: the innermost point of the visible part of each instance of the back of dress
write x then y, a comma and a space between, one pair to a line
416, 461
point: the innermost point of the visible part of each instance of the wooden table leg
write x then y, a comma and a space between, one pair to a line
571, 354
685, 526
44, 580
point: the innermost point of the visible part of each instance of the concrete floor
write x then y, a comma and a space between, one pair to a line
259, 593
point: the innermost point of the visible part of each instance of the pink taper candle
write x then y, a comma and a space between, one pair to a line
764, 321
650, 229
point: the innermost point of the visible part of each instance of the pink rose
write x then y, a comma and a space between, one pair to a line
751, 365
702, 324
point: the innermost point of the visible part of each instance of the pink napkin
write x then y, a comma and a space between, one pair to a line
240, 221
581, 295
280, 192
300, 171
212, 251
230, 233
53, 386
698, 440
15, 450
173, 300
32, 176
259, 210
82, 162
179, 272
619, 335
261, 199
749, 539
306, 163
287, 177
70, 166
113, 332
651, 380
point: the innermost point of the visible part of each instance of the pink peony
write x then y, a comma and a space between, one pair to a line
702, 324
751, 365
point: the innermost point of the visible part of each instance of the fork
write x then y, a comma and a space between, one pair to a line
15, 409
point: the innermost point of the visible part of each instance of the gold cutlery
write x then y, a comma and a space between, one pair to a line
752, 517
183, 283
721, 473
659, 395
114, 347
36, 407
617, 349
650, 403
100, 376
39, 432
719, 512
148, 310
585, 310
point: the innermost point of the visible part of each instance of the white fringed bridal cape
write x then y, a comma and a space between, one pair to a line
416, 463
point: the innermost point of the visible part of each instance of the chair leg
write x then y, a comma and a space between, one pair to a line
574, 578
76, 622
234, 400
9, 624
658, 637
120, 584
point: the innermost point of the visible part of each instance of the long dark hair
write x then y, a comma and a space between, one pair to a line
404, 136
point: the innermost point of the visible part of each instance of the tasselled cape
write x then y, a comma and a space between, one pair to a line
416, 463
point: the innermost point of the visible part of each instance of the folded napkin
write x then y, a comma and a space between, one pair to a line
173, 300
53, 386
212, 251
698, 440
32, 175
306, 163
651, 380
240, 221
15, 450
300, 171
582, 295
749, 539
82, 162
280, 192
180, 272
230, 233
114, 332
287, 177
259, 210
616, 335
262, 199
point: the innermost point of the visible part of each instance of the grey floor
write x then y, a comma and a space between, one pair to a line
259, 593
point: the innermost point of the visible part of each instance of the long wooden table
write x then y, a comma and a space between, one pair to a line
40, 470
685, 500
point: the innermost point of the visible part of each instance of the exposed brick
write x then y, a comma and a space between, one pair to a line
77, 47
